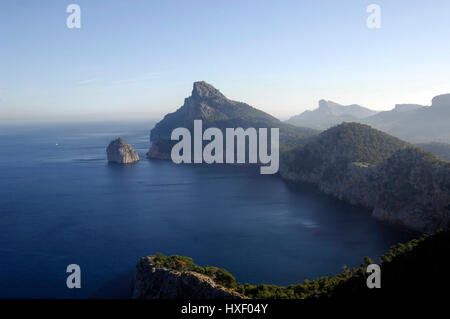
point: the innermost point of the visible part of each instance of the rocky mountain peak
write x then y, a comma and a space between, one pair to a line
203, 90
331, 108
407, 107
324, 104
441, 101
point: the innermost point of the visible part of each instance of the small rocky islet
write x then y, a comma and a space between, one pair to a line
119, 151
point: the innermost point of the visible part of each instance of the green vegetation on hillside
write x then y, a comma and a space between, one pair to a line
329, 153
182, 263
441, 150
351, 142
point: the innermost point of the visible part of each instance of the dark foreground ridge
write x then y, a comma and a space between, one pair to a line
414, 268
177, 277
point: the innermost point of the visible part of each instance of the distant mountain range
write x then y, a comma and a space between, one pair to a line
354, 162
330, 113
411, 122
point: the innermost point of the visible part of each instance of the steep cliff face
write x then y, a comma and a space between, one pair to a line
155, 281
119, 151
414, 189
366, 167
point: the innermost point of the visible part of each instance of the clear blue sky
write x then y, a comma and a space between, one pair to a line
138, 58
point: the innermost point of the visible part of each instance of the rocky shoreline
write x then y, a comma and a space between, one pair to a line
155, 281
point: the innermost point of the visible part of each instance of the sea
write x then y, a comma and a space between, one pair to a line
62, 203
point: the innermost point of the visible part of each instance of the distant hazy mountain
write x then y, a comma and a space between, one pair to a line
330, 113
215, 110
416, 123
411, 122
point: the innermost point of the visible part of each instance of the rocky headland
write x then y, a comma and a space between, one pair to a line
208, 104
177, 277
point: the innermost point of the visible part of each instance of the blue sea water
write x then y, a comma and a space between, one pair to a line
61, 203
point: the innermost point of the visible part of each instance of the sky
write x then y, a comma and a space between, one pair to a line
137, 59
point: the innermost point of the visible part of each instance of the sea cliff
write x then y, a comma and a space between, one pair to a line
176, 277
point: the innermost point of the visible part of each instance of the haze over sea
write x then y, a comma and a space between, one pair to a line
61, 203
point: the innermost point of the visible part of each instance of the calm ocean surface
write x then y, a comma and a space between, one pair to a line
61, 203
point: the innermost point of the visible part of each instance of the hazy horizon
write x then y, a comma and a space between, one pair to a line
138, 61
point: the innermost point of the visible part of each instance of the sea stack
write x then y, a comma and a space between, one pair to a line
119, 151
